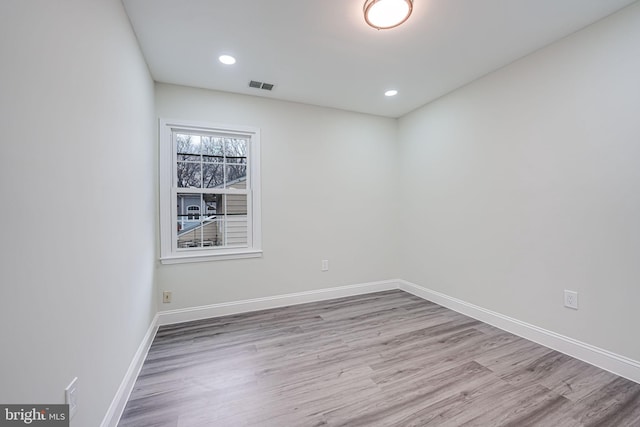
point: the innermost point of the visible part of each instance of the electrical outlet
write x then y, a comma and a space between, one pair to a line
71, 397
166, 297
571, 299
325, 265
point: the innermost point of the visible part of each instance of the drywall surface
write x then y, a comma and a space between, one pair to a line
329, 185
77, 181
527, 182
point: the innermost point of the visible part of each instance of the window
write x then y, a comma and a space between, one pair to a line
209, 192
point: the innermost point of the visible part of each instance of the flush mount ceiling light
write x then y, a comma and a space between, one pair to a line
227, 59
391, 92
385, 14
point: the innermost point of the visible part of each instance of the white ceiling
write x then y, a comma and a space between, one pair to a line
322, 52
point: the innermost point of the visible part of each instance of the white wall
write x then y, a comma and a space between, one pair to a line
328, 183
77, 182
525, 183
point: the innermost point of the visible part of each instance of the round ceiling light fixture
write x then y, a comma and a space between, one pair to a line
385, 14
391, 92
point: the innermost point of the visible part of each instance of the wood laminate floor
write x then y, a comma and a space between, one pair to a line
383, 359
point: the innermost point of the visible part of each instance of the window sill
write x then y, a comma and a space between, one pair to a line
187, 258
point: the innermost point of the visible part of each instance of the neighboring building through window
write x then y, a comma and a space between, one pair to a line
210, 192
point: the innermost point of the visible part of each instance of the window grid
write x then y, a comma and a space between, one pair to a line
189, 147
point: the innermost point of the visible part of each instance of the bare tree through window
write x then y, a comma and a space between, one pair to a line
211, 161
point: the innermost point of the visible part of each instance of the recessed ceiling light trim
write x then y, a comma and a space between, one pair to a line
386, 14
227, 59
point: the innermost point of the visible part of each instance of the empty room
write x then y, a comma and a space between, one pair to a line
305, 213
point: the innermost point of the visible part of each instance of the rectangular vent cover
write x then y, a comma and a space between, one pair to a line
260, 85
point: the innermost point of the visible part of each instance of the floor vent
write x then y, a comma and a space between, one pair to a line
260, 85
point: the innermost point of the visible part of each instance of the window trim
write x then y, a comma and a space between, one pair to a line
166, 171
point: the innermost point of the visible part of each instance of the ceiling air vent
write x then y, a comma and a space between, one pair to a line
260, 85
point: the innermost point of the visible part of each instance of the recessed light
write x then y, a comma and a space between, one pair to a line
391, 92
227, 59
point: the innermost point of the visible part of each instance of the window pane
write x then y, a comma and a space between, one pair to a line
212, 149
235, 208
189, 175
189, 209
236, 231
235, 148
188, 144
233, 204
236, 176
213, 232
213, 175
211, 203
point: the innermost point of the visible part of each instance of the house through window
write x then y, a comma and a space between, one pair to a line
193, 212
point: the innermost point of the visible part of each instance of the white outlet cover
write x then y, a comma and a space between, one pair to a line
571, 299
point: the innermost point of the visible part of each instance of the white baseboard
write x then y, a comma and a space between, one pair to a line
119, 401
619, 365
244, 306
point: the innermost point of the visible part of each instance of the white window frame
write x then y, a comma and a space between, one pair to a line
168, 194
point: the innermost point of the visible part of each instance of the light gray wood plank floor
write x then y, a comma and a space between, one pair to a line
383, 359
